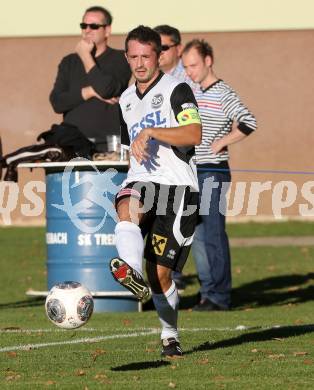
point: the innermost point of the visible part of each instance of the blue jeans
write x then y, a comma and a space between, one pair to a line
210, 246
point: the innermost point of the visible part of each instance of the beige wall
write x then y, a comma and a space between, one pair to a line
60, 18
272, 72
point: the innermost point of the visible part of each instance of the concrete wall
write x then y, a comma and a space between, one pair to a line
271, 70
61, 18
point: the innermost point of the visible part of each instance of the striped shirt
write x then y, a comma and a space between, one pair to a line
220, 106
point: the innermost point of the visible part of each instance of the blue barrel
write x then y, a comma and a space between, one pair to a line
80, 232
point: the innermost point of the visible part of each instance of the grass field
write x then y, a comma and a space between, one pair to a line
265, 342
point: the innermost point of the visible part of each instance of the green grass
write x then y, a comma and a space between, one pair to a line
272, 286
257, 229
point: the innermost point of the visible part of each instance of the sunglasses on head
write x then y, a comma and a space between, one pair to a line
167, 47
92, 26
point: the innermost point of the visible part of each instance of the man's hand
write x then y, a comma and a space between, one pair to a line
140, 145
113, 100
84, 47
217, 146
233, 137
89, 92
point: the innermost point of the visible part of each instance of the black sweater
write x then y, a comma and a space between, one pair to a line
109, 78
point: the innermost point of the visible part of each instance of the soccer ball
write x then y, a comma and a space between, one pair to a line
69, 305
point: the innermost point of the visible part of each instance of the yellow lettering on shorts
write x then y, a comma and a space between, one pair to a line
159, 244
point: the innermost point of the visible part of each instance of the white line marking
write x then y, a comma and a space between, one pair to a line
28, 347
142, 332
85, 329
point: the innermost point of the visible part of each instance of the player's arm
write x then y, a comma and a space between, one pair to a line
186, 135
189, 131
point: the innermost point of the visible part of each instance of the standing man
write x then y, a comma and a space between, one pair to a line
90, 80
170, 58
170, 63
161, 125
225, 121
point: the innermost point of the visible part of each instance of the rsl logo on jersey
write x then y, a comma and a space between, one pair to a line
152, 119
157, 101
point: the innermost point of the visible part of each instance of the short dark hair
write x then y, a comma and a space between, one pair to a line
204, 48
170, 31
104, 11
144, 34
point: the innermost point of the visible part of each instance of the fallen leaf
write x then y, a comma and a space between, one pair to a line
277, 356
126, 322
304, 250
203, 361
12, 354
308, 362
149, 350
254, 350
97, 353
153, 342
173, 367
172, 385
300, 353
100, 376
12, 377
80, 373
219, 378
175, 357
49, 383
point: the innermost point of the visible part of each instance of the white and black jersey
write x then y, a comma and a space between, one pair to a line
166, 103
220, 106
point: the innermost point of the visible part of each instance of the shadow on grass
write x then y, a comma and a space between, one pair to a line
38, 301
279, 333
283, 332
275, 290
282, 289
141, 366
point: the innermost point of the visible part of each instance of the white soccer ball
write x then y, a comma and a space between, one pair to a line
69, 305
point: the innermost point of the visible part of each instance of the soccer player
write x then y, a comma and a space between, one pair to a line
160, 124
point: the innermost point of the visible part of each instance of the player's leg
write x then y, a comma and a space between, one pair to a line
127, 268
166, 250
166, 300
